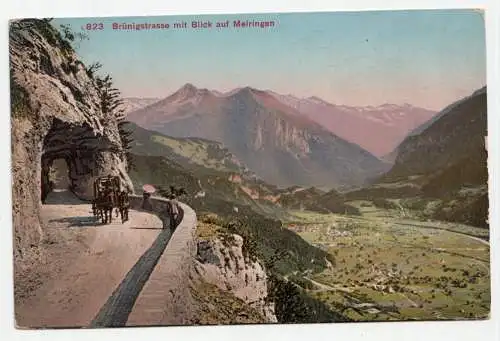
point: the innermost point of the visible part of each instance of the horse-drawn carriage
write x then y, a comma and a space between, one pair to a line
107, 196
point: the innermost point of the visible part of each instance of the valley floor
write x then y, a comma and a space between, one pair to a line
390, 266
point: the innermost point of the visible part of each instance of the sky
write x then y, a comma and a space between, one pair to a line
424, 58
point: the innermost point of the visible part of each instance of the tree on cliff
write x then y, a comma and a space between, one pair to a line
65, 38
112, 108
111, 101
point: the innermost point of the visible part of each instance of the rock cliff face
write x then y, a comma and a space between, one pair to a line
56, 114
222, 262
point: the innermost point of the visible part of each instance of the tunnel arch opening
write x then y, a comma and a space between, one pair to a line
59, 174
68, 160
55, 176
82, 154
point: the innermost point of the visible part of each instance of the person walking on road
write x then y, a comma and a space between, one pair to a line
174, 210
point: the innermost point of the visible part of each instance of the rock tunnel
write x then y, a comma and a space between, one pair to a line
55, 176
73, 156
56, 114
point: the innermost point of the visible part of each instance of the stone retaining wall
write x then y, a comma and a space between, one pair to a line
165, 298
157, 206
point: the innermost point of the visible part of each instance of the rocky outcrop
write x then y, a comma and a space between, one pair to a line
56, 114
221, 261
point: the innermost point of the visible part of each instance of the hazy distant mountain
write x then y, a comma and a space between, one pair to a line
377, 129
177, 105
133, 103
388, 124
274, 140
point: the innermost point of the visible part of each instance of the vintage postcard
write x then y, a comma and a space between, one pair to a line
268, 168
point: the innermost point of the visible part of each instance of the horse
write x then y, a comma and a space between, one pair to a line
95, 212
105, 204
123, 205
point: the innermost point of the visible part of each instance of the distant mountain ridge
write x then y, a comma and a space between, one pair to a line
388, 123
277, 142
378, 129
133, 103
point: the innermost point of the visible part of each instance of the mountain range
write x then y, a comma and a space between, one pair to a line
274, 140
440, 170
442, 164
210, 172
388, 123
133, 103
